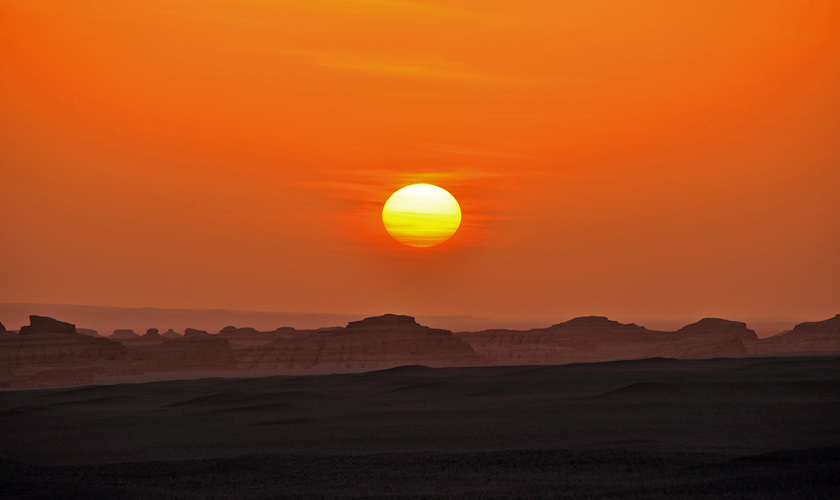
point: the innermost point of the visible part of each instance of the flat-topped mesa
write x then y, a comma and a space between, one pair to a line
597, 323
587, 338
228, 330
44, 324
599, 329
811, 336
715, 327
124, 334
195, 333
589, 320
128, 337
369, 344
828, 326
386, 322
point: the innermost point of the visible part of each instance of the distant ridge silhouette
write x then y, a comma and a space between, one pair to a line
49, 352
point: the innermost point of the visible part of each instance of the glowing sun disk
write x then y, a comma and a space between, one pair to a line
421, 215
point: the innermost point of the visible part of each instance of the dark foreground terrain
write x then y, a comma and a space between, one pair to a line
659, 428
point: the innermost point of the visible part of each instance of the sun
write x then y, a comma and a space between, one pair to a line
421, 215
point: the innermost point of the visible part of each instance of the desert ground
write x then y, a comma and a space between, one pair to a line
762, 427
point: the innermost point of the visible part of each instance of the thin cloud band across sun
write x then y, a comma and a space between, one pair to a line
421, 215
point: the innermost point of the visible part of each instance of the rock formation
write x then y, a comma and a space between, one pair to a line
252, 337
715, 327
589, 338
44, 324
48, 352
595, 338
150, 337
128, 337
709, 338
51, 352
170, 334
124, 334
386, 322
812, 336
152, 334
192, 332
197, 352
372, 343
828, 330
88, 331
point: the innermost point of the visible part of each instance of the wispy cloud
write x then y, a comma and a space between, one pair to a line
469, 151
389, 7
456, 177
372, 184
400, 66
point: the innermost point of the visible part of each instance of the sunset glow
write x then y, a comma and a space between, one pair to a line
420, 248
632, 159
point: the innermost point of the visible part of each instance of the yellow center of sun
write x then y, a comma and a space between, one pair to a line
421, 215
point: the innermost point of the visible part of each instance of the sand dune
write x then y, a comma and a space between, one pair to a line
659, 428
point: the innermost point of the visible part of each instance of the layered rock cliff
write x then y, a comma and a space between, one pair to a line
580, 339
812, 336
373, 343
123, 334
250, 336
596, 338
44, 324
186, 354
51, 352
708, 338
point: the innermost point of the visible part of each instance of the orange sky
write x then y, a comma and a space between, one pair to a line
629, 159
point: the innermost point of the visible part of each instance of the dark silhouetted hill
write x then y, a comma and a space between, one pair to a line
812, 336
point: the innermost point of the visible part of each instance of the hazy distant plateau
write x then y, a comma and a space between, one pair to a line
105, 319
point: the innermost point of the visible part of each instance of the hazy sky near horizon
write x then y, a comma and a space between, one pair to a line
630, 159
